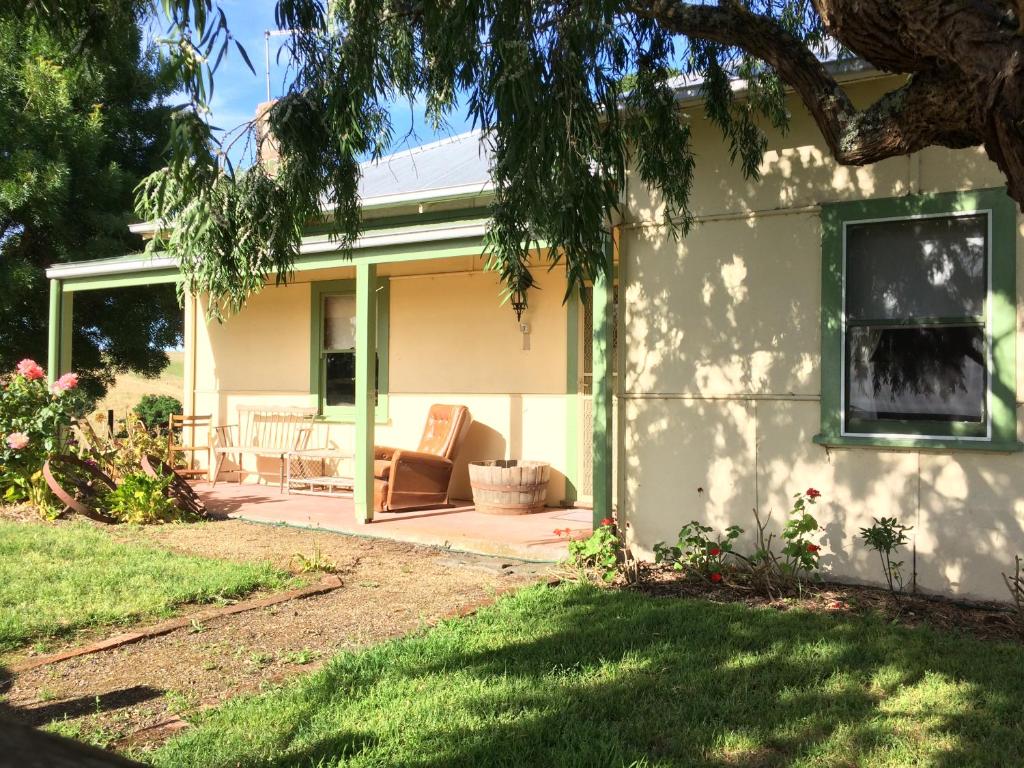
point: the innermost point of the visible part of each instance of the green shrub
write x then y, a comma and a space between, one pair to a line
155, 410
600, 552
885, 537
697, 552
143, 499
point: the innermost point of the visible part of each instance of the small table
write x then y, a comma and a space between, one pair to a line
298, 477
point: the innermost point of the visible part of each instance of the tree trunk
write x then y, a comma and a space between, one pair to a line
964, 60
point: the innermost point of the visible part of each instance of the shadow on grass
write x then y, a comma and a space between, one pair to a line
578, 676
85, 705
27, 747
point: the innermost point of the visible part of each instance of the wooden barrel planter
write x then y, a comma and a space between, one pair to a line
509, 486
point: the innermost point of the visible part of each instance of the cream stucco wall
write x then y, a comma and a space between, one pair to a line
720, 375
450, 341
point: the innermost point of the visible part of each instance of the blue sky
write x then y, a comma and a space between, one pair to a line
237, 91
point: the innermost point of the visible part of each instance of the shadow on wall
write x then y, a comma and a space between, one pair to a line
721, 386
481, 443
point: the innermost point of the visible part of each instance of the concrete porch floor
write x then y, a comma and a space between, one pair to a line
526, 537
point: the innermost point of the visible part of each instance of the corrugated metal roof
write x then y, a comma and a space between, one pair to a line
462, 163
455, 162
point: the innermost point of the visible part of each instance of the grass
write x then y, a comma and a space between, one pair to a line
578, 676
55, 580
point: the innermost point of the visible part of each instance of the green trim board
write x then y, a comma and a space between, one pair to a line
67, 313
572, 399
603, 304
999, 433
402, 222
392, 254
382, 302
54, 332
366, 385
123, 280
917, 444
58, 342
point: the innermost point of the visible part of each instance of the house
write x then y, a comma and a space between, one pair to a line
855, 330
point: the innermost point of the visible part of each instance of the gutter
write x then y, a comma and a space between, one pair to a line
476, 229
146, 263
844, 71
143, 263
421, 197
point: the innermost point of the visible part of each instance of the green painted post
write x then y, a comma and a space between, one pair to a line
572, 400
66, 317
602, 388
366, 386
54, 332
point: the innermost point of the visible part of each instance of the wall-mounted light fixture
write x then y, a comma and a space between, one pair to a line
519, 304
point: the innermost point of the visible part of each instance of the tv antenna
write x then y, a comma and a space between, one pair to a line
267, 34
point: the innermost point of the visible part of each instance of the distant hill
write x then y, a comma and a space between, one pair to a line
129, 388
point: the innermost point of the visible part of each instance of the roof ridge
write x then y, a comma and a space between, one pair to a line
411, 151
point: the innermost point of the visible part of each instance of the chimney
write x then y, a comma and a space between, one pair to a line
267, 150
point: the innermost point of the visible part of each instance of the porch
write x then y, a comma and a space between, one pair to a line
370, 338
461, 527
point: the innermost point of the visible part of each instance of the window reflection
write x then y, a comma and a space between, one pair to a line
937, 374
915, 319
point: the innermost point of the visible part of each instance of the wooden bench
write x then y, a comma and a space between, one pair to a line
262, 432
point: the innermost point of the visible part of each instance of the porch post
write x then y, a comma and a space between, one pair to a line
603, 305
366, 387
54, 332
572, 399
67, 303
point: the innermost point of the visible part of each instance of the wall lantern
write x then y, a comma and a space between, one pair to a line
519, 304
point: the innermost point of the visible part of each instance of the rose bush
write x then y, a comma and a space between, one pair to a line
699, 552
35, 423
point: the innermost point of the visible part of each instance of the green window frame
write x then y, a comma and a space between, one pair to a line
998, 432
319, 291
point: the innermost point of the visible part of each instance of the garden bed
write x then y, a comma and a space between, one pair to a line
984, 620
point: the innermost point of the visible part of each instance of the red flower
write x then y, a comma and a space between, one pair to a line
714, 551
716, 577
813, 548
607, 521
812, 493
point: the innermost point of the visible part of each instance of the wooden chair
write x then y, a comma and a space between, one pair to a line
176, 426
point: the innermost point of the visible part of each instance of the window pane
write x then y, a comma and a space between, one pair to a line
932, 267
340, 378
932, 373
339, 322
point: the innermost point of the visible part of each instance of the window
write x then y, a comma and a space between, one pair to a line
333, 365
919, 322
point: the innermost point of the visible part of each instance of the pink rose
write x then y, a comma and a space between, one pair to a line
17, 440
64, 383
30, 369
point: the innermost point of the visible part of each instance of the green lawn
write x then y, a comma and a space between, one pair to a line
578, 676
58, 579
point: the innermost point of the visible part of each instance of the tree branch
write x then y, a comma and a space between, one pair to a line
917, 115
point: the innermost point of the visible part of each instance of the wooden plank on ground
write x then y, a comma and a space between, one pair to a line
327, 584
